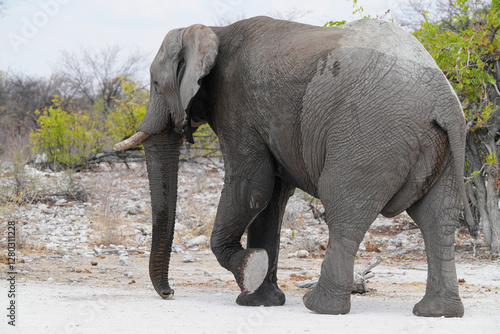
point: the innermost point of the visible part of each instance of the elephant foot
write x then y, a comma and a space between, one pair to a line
253, 270
268, 294
439, 306
323, 301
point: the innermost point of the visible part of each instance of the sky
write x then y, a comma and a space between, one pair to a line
34, 32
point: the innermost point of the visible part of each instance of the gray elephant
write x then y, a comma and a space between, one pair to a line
359, 116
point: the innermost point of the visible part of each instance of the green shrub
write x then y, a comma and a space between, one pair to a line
66, 137
125, 117
206, 142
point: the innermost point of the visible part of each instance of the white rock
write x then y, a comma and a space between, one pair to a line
41, 158
122, 253
97, 251
134, 209
180, 228
61, 202
308, 284
302, 253
105, 167
177, 249
187, 258
134, 165
44, 208
199, 240
124, 260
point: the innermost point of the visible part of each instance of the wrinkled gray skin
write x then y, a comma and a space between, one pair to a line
358, 116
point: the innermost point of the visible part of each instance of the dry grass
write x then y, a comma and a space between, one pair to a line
106, 212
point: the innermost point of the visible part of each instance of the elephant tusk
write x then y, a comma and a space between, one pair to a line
132, 141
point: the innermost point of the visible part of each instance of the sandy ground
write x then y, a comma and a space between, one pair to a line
64, 285
62, 296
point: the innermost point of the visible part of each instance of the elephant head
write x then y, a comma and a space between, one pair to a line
185, 57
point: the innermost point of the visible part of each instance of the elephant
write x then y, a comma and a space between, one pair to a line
359, 116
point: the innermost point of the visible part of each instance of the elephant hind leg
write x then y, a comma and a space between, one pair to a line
437, 214
348, 215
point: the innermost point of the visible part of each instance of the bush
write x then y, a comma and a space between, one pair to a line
125, 117
66, 137
206, 144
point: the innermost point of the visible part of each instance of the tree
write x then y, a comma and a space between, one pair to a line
466, 46
417, 11
94, 77
21, 95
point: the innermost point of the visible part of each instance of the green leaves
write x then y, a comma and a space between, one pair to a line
65, 137
466, 52
68, 137
127, 114
334, 23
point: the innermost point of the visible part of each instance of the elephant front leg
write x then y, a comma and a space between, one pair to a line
244, 196
264, 232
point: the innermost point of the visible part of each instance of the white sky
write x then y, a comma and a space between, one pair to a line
33, 32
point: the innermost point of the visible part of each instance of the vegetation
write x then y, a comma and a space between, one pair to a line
66, 137
466, 46
127, 113
206, 144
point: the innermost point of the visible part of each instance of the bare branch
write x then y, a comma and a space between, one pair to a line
93, 76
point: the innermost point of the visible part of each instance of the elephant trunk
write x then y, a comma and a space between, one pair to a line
162, 158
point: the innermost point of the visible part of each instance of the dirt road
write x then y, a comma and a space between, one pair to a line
107, 298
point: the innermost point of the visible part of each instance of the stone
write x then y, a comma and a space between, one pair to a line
122, 253
41, 158
198, 241
302, 253
307, 284
45, 209
134, 209
123, 260
105, 167
177, 249
61, 202
188, 258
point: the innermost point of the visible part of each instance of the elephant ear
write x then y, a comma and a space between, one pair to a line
200, 46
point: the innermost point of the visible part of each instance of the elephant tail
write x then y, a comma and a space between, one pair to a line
456, 138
